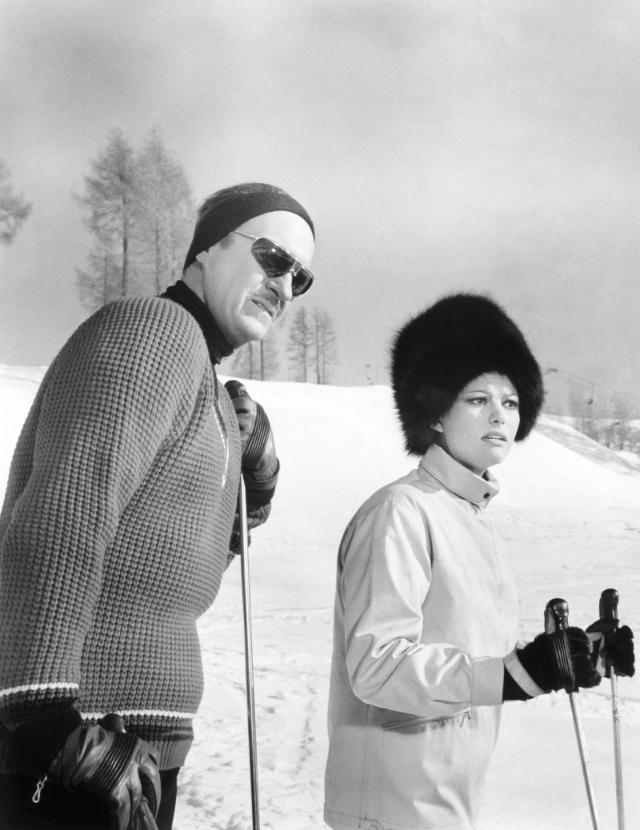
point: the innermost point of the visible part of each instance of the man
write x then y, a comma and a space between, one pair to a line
117, 520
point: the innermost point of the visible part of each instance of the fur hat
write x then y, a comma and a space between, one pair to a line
436, 354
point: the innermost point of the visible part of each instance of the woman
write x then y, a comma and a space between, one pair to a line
426, 609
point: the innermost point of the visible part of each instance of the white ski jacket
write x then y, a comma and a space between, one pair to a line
426, 610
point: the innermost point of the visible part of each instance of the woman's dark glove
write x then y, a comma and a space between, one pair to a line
538, 661
612, 646
117, 767
260, 464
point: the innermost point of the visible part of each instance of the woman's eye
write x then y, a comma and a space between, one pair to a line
477, 400
512, 404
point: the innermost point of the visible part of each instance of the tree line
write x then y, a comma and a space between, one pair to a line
138, 207
311, 350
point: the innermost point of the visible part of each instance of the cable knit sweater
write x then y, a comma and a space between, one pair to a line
116, 525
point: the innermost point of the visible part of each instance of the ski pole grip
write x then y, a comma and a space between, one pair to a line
115, 723
556, 615
609, 604
556, 620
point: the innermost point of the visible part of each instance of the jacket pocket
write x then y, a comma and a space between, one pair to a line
424, 768
422, 723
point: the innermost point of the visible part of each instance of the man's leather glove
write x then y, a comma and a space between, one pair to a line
260, 464
117, 767
537, 660
612, 646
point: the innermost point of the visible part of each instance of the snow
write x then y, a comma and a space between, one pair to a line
569, 512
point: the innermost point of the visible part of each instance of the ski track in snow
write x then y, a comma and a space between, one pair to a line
569, 514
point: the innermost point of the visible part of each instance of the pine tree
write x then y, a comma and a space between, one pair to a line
13, 208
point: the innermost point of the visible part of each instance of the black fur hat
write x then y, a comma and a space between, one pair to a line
436, 354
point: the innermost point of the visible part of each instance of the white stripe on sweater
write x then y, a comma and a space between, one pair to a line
225, 442
138, 713
35, 687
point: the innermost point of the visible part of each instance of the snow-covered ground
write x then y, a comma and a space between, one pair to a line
569, 512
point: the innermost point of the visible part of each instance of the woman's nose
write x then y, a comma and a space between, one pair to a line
497, 415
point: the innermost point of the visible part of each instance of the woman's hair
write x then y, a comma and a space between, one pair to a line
438, 352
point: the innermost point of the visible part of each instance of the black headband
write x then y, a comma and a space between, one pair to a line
234, 211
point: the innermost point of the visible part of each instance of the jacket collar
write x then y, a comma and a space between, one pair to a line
217, 344
458, 479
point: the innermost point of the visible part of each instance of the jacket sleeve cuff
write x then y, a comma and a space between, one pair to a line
521, 675
487, 680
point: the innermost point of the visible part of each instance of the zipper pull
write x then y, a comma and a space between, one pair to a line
39, 788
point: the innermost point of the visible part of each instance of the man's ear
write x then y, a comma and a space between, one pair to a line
437, 426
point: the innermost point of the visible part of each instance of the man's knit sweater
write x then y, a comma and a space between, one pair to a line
116, 525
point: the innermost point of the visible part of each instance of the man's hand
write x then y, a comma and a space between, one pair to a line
117, 767
259, 461
612, 647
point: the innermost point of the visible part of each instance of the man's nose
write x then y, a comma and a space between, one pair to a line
283, 286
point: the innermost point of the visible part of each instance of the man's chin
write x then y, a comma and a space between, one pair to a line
253, 329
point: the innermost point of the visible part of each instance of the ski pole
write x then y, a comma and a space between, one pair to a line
556, 619
248, 653
609, 611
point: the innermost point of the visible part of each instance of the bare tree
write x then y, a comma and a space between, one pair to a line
101, 283
109, 206
324, 344
165, 213
312, 346
140, 211
300, 345
257, 360
13, 207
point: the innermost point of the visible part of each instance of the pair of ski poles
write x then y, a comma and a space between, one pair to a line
556, 621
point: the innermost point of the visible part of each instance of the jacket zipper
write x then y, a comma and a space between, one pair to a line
39, 788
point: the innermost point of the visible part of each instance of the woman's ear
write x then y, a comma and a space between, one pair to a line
437, 426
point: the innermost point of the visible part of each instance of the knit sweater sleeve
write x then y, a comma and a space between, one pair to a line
120, 390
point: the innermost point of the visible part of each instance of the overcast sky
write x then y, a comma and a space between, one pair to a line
437, 144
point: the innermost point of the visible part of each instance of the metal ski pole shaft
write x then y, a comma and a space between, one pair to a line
609, 611
248, 653
556, 621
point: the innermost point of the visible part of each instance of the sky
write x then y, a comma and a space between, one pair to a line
438, 145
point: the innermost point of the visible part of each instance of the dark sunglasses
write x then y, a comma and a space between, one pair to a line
277, 262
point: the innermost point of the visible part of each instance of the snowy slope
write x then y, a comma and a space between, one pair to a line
570, 515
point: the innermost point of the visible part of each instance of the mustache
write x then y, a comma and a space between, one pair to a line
270, 298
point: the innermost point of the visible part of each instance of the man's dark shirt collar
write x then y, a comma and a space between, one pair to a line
217, 344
